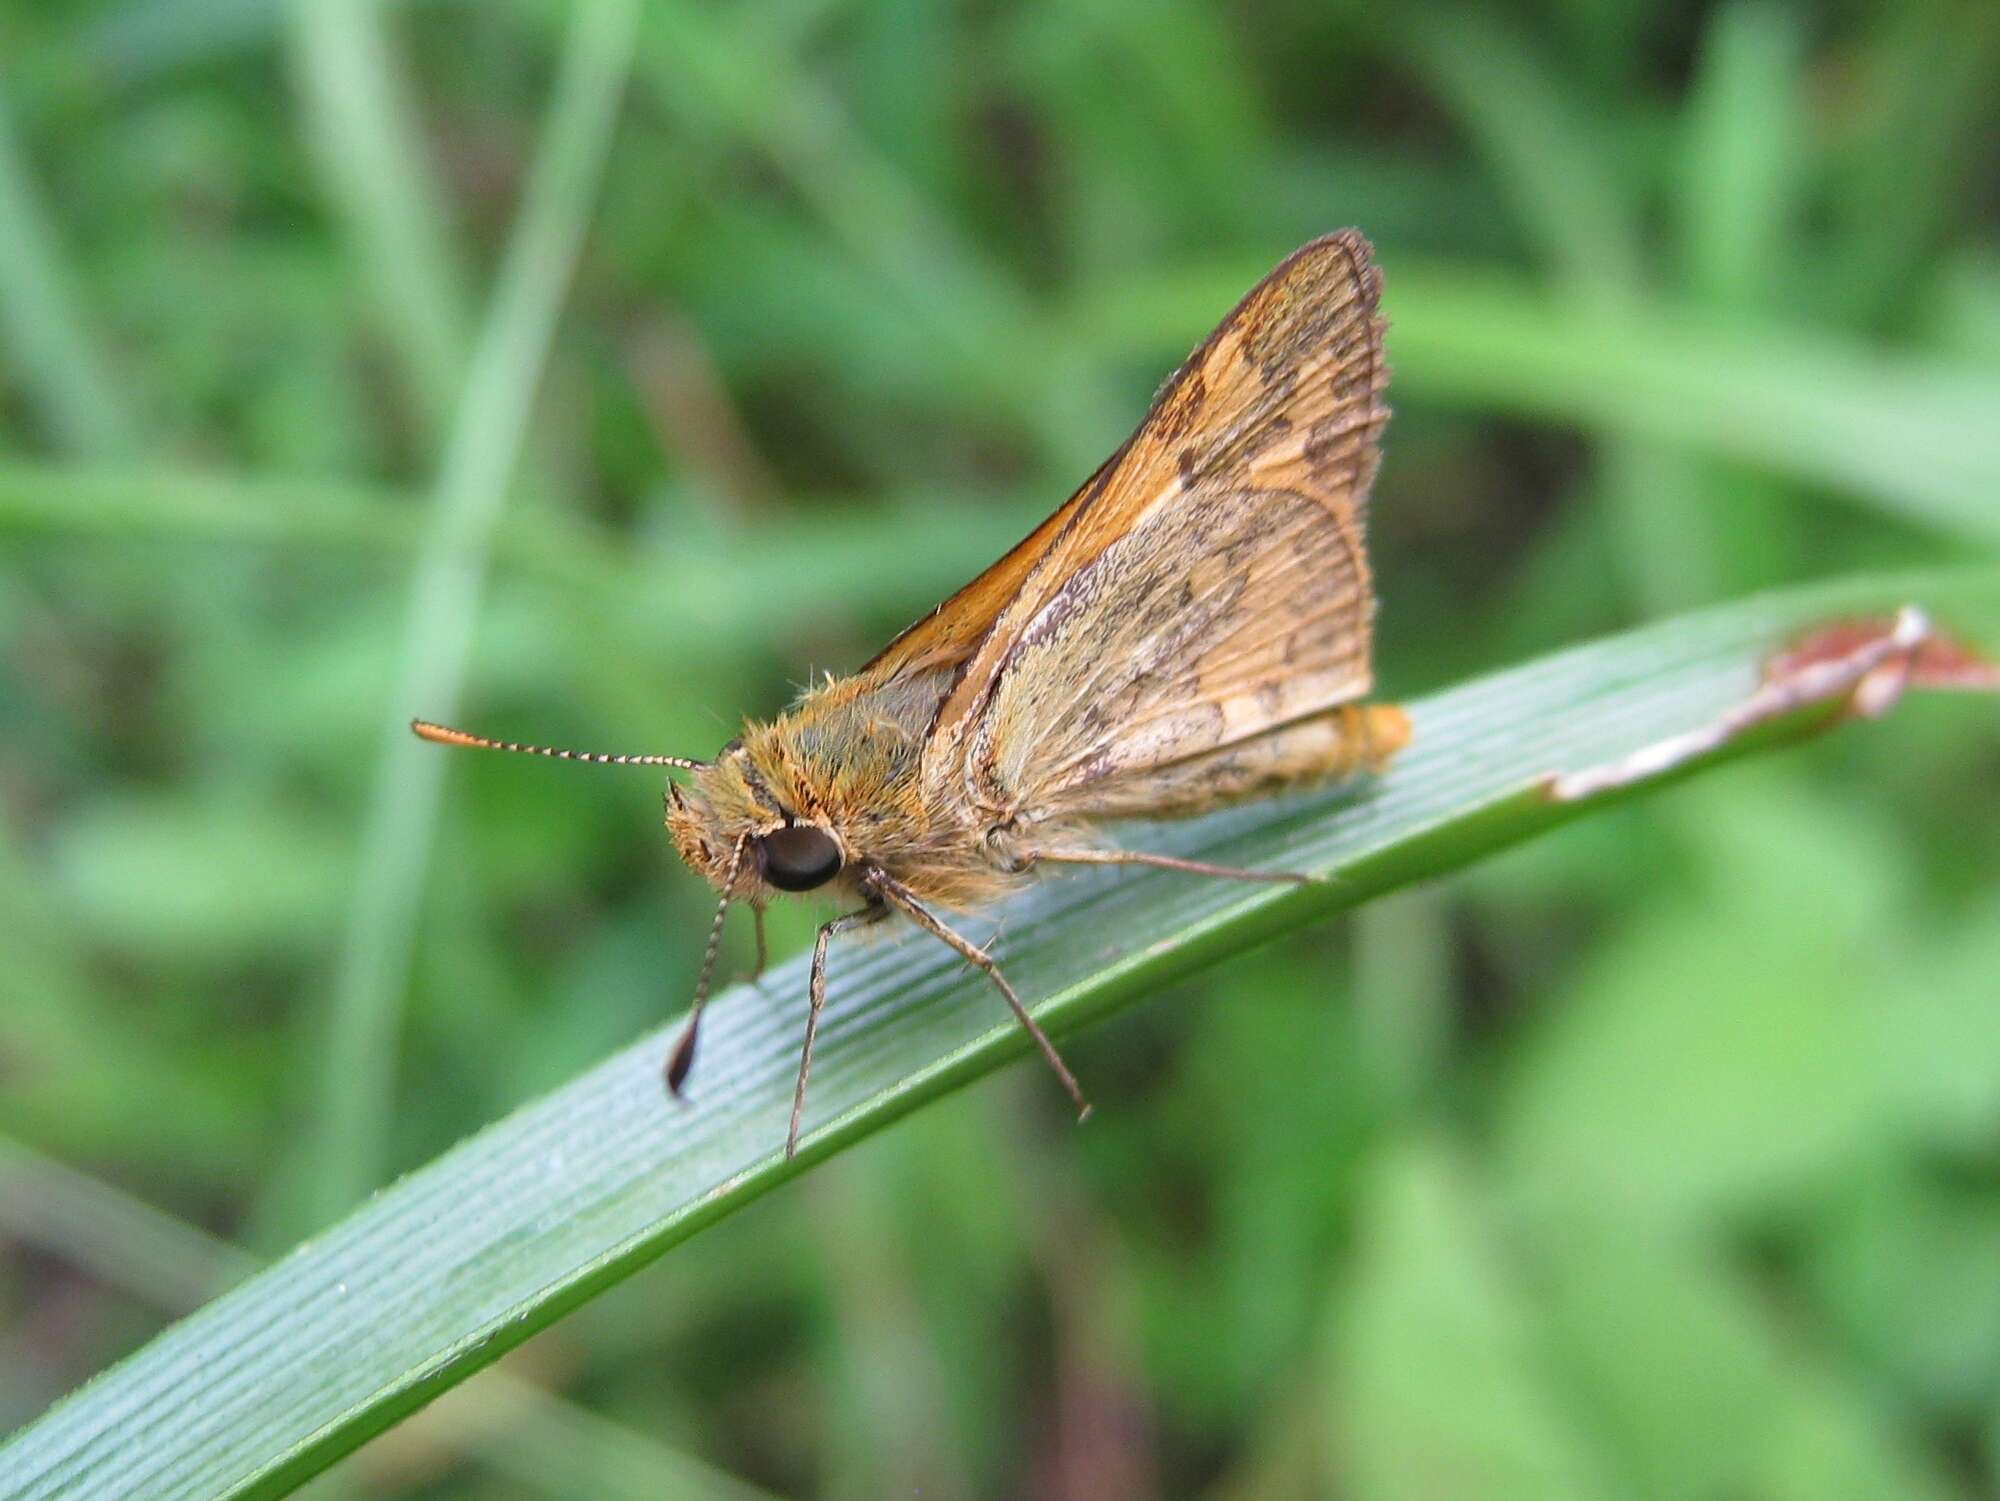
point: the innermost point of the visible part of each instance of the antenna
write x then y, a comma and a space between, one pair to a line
445, 735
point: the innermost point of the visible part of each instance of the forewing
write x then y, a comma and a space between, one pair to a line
1211, 583
950, 633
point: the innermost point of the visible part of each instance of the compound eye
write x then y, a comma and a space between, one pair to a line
799, 858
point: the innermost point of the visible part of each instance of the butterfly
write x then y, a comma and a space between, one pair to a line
1193, 626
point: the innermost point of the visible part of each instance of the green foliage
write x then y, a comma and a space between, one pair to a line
1655, 1158
579, 1189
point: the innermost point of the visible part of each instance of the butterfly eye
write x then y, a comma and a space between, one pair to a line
798, 858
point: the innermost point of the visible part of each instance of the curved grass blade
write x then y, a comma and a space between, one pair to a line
541, 1441
462, 1260
356, 1067
1902, 434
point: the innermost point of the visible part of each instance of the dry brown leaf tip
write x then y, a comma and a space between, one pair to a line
1863, 664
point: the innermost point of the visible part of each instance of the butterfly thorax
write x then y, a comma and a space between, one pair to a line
845, 758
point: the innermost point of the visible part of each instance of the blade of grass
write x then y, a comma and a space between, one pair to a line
60, 364
1571, 199
1912, 438
140, 42
1918, 133
466, 1258
151, 1255
516, 1426
822, 557
1741, 169
359, 118
1572, 203
1403, 993
357, 1065
732, 74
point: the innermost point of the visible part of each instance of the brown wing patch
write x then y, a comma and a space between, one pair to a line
1211, 583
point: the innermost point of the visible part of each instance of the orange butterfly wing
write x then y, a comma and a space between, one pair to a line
1210, 584
952, 632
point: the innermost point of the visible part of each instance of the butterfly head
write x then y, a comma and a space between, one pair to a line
731, 828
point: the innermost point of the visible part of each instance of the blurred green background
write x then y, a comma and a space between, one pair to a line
1657, 1159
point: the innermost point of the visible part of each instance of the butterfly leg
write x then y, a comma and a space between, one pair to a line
763, 953
1163, 862
816, 1000
906, 901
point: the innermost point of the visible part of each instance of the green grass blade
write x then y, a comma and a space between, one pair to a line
1741, 170
467, 1257
1572, 202
359, 117
732, 76
60, 364
515, 1426
815, 559
358, 1065
1910, 437
1567, 188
